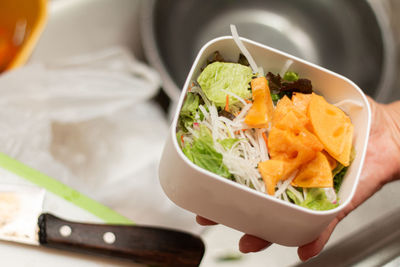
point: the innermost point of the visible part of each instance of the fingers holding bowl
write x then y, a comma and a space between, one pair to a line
249, 243
204, 221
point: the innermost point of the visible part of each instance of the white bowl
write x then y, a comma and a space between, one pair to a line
242, 208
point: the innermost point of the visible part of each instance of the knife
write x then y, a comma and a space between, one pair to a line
22, 220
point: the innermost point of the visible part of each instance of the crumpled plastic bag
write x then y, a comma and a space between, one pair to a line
90, 123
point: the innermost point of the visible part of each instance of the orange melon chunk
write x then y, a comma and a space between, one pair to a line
345, 156
316, 173
293, 121
301, 102
273, 171
261, 111
299, 148
284, 107
332, 127
332, 162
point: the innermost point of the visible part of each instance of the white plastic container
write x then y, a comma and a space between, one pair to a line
242, 208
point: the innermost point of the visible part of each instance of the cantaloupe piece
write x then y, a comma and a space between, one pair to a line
345, 156
290, 121
301, 101
316, 173
273, 171
296, 148
260, 113
283, 108
332, 162
332, 127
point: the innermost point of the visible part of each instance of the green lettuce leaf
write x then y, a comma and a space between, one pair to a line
291, 76
340, 171
338, 174
233, 256
316, 200
179, 136
228, 142
275, 98
189, 110
293, 197
202, 153
232, 77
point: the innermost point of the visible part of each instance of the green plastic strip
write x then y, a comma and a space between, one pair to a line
52, 185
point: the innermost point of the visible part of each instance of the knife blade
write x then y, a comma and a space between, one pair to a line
22, 221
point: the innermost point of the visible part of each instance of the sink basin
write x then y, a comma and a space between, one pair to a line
375, 245
358, 39
76, 27
348, 37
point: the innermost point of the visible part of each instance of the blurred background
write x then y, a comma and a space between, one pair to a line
112, 153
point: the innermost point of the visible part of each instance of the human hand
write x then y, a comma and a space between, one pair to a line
381, 166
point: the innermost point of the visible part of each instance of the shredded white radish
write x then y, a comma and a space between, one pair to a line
330, 194
214, 122
196, 89
261, 71
282, 186
192, 132
243, 157
262, 145
234, 125
243, 112
245, 146
244, 175
235, 96
243, 49
285, 67
295, 192
229, 126
204, 111
285, 197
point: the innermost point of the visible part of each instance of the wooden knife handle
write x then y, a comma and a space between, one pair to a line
148, 245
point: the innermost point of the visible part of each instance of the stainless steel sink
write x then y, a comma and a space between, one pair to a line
358, 39
348, 37
377, 244
77, 27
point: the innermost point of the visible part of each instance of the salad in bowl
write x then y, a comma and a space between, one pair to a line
269, 132
273, 149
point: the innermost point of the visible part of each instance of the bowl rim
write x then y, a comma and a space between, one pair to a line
243, 187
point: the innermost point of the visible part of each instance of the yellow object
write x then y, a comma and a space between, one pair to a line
332, 162
272, 171
261, 111
316, 173
21, 23
296, 149
290, 144
333, 128
288, 152
301, 102
282, 108
301, 129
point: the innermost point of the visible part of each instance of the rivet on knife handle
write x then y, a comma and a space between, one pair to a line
149, 245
